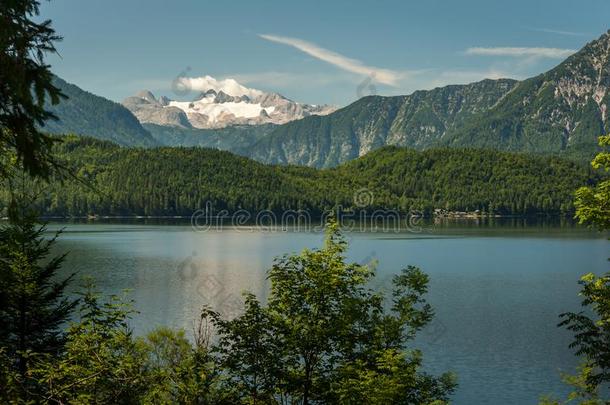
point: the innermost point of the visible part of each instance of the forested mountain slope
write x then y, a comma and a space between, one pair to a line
418, 120
562, 110
85, 113
178, 181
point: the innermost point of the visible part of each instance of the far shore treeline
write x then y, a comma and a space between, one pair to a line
168, 181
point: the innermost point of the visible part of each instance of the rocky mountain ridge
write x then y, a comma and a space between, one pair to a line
222, 103
561, 111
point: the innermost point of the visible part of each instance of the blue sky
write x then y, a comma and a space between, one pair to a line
315, 51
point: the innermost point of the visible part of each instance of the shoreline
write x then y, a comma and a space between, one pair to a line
456, 215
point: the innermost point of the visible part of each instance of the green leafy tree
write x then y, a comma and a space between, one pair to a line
25, 85
102, 362
168, 364
591, 328
593, 203
325, 336
250, 353
180, 372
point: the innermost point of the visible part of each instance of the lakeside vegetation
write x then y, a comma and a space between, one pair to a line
324, 336
117, 181
591, 325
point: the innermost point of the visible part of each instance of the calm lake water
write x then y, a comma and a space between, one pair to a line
497, 290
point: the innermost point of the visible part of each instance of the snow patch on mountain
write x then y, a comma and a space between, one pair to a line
220, 103
216, 106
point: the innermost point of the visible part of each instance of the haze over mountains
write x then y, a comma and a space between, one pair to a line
560, 111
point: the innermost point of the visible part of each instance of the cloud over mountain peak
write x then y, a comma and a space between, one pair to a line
219, 104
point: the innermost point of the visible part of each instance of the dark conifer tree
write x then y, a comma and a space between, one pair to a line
33, 305
25, 84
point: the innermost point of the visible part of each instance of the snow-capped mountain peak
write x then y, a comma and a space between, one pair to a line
220, 103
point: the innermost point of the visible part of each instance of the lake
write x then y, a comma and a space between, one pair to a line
497, 289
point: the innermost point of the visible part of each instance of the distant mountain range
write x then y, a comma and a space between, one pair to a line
220, 104
561, 111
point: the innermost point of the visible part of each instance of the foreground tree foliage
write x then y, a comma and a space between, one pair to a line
325, 336
33, 306
103, 362
591, 327
593, 203
25, 85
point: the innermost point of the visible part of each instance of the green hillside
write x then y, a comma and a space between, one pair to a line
85, 113
418, 120
178, 181
562, 110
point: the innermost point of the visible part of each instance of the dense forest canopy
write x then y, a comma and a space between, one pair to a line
177, 181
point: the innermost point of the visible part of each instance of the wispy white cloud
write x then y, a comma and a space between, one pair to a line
290, 82
560, 32
385, 76
274, 79
553, 53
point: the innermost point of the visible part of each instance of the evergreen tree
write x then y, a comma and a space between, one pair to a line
33, 306
25, 84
